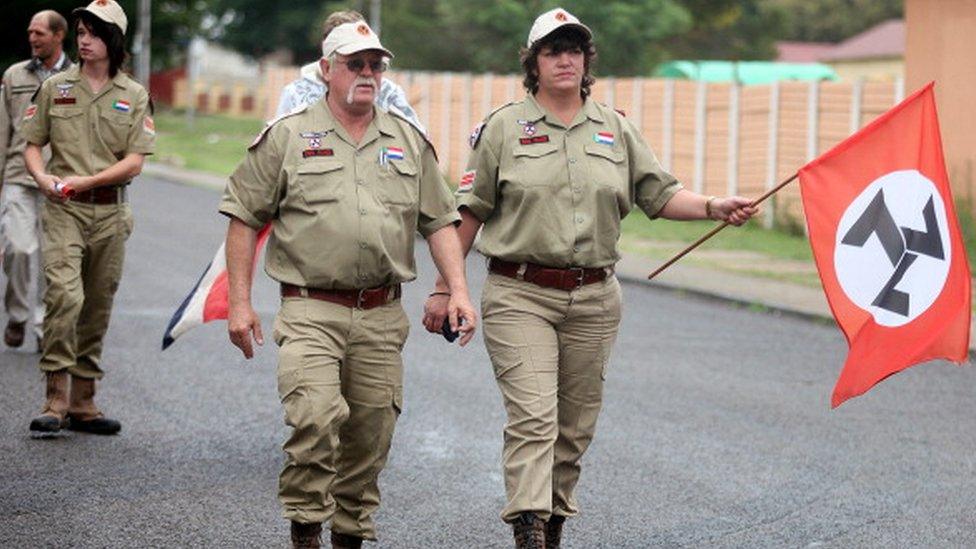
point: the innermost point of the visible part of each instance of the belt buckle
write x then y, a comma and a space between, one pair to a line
360, 297
579, 277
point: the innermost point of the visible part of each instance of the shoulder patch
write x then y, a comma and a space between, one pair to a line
397, 113
272, 122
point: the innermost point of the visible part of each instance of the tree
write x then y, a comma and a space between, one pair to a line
833, 20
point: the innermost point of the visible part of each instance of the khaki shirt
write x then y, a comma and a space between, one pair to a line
555, 195
20, 83
89, 132
344, 213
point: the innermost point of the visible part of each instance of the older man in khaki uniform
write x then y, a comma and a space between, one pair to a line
98, 124
345, 185
21, 201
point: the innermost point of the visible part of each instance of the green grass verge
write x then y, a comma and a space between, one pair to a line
750, 237
213, 144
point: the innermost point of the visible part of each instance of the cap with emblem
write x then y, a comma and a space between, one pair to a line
350, 38
106, 10
548, 22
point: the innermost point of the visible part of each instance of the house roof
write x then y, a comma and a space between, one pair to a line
880, 41
802, 52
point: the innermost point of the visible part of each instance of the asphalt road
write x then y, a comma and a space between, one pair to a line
716, 430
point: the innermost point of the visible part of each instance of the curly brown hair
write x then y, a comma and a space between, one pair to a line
565, 39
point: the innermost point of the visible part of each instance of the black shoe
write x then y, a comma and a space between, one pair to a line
97, 426
345, 541
45, 426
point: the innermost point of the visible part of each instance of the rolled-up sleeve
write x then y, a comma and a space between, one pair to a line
254, 189
478, 188
436, 204
652, 186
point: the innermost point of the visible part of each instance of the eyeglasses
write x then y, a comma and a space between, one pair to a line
357, 65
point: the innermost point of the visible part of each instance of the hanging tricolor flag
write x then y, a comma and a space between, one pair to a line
208, 300
887, 245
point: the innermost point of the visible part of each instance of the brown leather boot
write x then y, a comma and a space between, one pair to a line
530, 532
554, 531
83, 415
52, 418
345, 541
306, 536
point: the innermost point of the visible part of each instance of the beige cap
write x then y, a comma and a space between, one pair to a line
350, 38
106, 10
546, 23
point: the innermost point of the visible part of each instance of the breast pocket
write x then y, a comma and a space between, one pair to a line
398, 185
606, 165
536, 165
113, 128
67, 124
319, 182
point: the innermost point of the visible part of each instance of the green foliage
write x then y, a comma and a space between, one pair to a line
832, 20
632, 36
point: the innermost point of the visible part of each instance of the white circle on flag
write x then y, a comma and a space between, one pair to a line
868, 271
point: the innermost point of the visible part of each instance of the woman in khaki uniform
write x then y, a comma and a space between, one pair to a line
97, 121
550, 178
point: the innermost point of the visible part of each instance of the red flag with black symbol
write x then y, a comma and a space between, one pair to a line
887, 244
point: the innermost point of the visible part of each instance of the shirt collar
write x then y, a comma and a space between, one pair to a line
533, 112
37, 65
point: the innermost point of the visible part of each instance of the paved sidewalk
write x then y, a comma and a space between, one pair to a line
775, 295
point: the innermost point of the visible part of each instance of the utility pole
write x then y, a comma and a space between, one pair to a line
375, 6
142, 41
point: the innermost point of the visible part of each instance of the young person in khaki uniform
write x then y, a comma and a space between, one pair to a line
550, 178
21, 201
345, 185
98, 124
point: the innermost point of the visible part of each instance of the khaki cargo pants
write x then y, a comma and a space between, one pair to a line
20, 225
549, 349
340, 379
83, 250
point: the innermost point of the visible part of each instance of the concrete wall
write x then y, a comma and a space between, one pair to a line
940, 46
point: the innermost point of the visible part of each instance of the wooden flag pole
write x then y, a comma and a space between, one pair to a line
718, 228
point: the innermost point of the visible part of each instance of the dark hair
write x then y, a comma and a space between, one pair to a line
111, 34
560, 40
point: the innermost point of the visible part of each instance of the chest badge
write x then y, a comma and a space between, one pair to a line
528, 127
64, 95
64, 89
603, 138
390, 153
122, 106
314, 138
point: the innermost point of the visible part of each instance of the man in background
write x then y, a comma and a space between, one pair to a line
20, 199
310, 87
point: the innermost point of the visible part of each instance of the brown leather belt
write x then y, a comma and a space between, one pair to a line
101, 195
367, 298
549, 277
